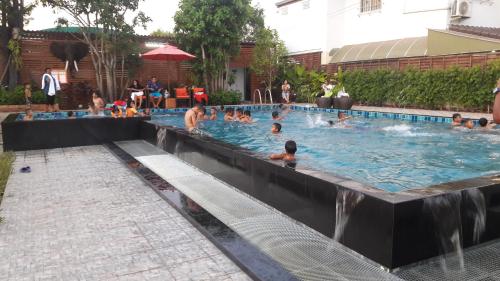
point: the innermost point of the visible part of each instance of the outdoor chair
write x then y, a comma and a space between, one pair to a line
182, 94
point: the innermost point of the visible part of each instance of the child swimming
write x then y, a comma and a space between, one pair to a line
213, 113
247, 117
457, 119
229, 116
289, 155
468, 123
485, 125
342, 116
276, 128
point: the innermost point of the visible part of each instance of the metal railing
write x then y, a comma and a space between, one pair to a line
259, 93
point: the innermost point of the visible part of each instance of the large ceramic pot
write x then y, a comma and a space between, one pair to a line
344, 103
324, 102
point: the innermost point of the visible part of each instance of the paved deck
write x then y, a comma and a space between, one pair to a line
82, 215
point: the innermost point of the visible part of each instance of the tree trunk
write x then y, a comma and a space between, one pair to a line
205, 74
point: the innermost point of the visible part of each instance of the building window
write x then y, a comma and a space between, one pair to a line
370, 5
60, 74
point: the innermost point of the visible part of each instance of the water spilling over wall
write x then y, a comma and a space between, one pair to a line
346, 202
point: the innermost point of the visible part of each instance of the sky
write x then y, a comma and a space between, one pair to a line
161, 13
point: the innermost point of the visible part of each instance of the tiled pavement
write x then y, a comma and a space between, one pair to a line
82, 215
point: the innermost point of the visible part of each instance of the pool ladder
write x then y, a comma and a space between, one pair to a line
267, 92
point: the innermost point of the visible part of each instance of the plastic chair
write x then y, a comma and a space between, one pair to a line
182, 94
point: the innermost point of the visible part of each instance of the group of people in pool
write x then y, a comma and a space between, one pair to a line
459, 122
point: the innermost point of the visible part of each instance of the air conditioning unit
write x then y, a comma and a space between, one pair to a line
461, 9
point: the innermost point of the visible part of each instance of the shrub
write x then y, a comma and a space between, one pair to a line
17, 96
453, 88
224, 98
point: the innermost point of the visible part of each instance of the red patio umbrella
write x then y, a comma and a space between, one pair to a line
168, 53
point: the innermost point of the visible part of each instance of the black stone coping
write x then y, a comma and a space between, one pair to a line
391, 229
47, 134
249, 258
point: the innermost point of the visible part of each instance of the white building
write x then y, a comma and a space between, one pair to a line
327, 25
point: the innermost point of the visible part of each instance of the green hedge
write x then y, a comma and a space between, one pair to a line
224, 98
453, 88
17, 96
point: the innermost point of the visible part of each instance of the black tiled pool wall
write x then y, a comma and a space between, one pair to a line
46, 134
391, 229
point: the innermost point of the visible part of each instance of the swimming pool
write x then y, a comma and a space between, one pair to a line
392, 155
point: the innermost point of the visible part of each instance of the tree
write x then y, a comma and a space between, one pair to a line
213, 31
13, 15
268, 55
161, 33
104, 28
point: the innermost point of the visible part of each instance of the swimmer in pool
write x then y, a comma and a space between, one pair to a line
276, 116
276, 128
342, 117
229, 116
289, 155
201, 116
247, 117
485, 125
238, 115
191, 119
468, 123
213, 113
457, 120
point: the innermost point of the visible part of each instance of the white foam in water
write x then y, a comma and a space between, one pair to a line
319, 122
406, 130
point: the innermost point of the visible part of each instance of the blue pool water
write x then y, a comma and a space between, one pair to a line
389, 154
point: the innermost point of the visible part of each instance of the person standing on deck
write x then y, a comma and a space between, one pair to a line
50, 86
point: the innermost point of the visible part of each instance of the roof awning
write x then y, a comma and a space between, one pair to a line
438, 42
446, 42
406, 47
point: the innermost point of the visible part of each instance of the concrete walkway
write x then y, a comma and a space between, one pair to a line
82, 215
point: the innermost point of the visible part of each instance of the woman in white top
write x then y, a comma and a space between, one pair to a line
285, 91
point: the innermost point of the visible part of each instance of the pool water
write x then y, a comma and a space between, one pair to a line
393, 155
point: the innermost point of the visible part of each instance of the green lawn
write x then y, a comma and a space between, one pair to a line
6, 160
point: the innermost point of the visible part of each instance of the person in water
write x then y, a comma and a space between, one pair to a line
485, 125
131, 109
247, 117
276, 128
468, 123
276, 116
496, 104
289, 155
229, 116
239, 114
213, 113
342, 116
29, 115
202, 115
457, 120
191, 117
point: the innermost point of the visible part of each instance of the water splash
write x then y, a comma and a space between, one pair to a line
161, 135
477, 211
447, 221
347, 201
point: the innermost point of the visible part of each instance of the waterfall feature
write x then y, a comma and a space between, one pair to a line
160, 137
476, 210
346, 202
445, 211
